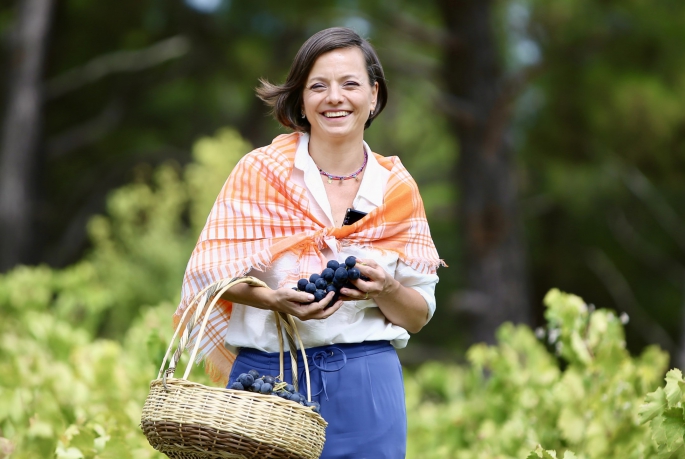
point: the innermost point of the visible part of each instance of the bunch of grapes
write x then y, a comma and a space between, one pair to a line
334, 277
270, 385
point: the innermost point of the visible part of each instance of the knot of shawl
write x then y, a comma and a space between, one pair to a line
318, 239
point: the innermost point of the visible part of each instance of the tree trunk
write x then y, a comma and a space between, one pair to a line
496, 287
21, 130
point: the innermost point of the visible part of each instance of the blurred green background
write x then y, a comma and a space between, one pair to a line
547, 139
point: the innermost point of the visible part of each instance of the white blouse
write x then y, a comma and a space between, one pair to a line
355, 321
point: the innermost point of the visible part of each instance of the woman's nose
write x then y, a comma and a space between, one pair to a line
334, 95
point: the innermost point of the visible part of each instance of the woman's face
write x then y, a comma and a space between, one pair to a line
338, 96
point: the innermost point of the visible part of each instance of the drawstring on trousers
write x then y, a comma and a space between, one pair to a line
320, 361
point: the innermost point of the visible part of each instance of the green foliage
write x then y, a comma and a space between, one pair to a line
61, 391
513, 396
665, 413
140, 248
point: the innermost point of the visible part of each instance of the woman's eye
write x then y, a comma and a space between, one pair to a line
316, 86
351, 83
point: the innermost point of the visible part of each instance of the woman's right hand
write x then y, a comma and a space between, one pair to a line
297, 304
283, 300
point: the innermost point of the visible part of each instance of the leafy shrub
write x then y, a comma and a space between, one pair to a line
665, 413
515, 395
62, 390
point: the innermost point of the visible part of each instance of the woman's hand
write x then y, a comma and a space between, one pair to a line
380, 283
297, 304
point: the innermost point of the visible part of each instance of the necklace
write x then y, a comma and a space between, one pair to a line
353, 175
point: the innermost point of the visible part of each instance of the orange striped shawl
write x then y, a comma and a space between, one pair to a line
260, 214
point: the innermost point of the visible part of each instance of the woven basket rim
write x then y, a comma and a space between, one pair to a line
266, 398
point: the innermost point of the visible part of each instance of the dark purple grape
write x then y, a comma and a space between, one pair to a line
340, 275
314, 277
321, 283
246, 379
350, 285
328, 274
319, 295
350, 261
237, 386
301, 284
266, 388
333, 264
254, 373
290, 388
310, 288
330, 288
353, 273
269, 380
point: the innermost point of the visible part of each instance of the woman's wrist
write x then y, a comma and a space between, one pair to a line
392, 287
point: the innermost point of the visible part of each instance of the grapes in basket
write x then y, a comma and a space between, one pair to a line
333, 277
252, 381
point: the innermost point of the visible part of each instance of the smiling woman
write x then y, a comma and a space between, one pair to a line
280, 218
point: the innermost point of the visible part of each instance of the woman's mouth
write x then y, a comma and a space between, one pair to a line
338, 114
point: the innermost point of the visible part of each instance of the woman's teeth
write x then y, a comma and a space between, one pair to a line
335, 114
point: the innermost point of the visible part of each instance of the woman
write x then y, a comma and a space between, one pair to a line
280, 218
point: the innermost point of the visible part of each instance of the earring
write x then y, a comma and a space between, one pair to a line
371, 114
303, 116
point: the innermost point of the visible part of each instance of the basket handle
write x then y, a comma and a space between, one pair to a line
288, 323
215, 291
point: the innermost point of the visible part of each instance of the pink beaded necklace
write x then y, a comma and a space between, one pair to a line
353, 175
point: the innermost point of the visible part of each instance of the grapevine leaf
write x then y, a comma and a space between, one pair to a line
571, 424
673, 389
569, 455
655, 403
580, 348
540, 453
668, 430
68, 453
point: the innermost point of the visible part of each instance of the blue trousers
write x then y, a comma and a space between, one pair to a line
361, 392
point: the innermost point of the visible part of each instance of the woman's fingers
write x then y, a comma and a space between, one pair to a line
316, 310
375, 282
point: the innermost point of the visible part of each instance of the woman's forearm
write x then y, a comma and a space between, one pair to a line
403, 306
255, 296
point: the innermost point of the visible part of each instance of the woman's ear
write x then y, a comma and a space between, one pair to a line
374, 95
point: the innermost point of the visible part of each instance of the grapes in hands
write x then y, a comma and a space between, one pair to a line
332, 278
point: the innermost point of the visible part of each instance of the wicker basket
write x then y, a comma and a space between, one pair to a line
187, 420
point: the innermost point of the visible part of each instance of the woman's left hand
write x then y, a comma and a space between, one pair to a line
380, 283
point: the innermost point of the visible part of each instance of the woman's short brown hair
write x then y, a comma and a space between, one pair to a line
286, 99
